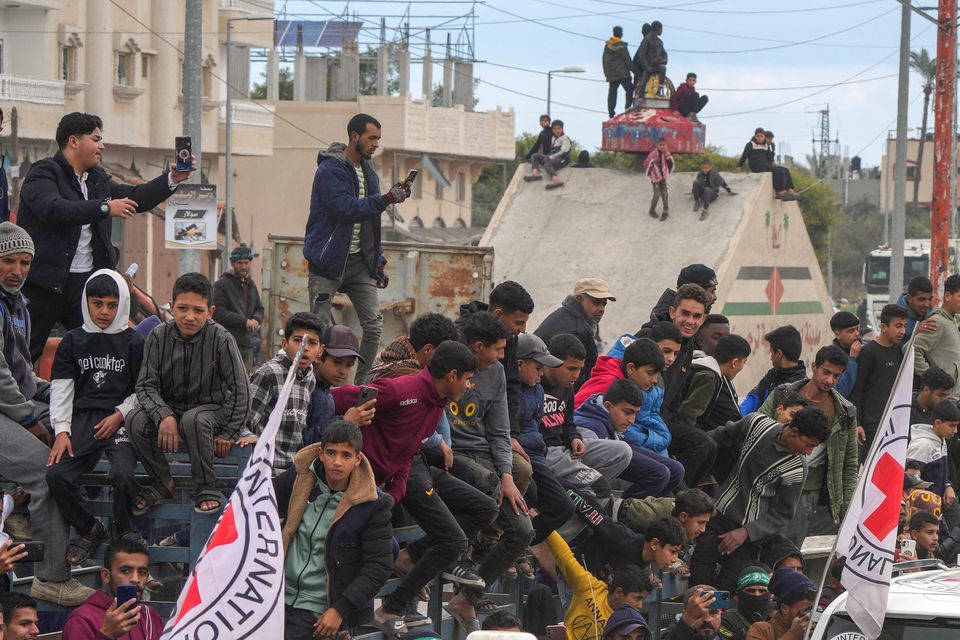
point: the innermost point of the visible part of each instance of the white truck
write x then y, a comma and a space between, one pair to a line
920, 606
876, 274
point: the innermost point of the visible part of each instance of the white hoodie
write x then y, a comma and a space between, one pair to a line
62, 389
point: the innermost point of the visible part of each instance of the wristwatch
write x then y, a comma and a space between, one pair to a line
105, 206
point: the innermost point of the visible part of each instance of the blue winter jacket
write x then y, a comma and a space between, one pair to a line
648, 431
335, 208
531, 417
848, 379
594, 416
323, 411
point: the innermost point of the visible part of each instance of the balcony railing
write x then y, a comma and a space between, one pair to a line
35, 90
249, 114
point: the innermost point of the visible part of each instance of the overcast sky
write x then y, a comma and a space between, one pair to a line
747, 54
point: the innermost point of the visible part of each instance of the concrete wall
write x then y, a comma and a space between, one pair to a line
597, 226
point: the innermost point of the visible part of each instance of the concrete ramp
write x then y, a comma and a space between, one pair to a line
597, 225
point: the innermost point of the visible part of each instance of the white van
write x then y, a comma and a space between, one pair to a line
921, 606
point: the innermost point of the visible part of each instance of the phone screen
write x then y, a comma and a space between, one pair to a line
184, 149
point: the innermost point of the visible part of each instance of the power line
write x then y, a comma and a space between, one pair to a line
746, 12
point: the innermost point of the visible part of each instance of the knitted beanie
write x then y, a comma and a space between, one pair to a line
14, 239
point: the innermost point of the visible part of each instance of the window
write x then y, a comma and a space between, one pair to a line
68, 64
144, 65
416, 191
438, 224
206, 82
911, 172
461, 187
438, 191
124, 69
416, 223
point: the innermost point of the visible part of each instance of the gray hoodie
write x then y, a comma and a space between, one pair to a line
480, 422
18, 383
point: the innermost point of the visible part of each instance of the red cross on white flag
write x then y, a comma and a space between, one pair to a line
236, 588
868, 535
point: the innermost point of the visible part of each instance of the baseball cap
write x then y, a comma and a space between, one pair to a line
911, 481
340, 341
699, 274
531, 347
595, 288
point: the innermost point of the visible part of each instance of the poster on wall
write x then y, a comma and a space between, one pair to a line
191, 217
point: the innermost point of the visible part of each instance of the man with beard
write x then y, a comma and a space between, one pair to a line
580, 314
753, 604
698, 621
342, 240
237, 303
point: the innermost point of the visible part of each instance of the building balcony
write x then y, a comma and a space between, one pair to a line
252, 128
32, 90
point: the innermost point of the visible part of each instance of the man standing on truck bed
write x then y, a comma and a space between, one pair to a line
342, 241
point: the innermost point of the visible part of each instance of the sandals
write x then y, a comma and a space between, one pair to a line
132, 534
151, 497
486, 605
81, 547
554, 185
469, 625
532, 178
209, 496
525, 567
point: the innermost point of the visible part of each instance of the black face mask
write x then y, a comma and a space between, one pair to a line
754, 608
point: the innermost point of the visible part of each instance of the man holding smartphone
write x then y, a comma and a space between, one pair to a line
117, 610
67, 205
342, 239
794, 594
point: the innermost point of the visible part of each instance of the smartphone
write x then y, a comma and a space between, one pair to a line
35, 551
721, 600
184, 148
366, 395
908, 546
125, 593
411, 176
132, 269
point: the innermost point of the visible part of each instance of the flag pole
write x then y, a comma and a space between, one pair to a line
861, 480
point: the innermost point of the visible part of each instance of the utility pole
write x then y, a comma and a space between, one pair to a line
943, 142
899, 217
15, 159
192, 89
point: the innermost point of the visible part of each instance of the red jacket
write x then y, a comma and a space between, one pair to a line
84, 622
679, 93
408, 410
604, 373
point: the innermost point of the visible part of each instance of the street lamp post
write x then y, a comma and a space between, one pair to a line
550, 78
228, 148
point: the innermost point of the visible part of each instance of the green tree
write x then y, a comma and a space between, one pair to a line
259, 90
436, 100
819, 207
926, 67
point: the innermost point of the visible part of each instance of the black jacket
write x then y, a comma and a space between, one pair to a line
359, 549
569, 318
758, 156
674, 379
713, 180
233, 309
542, 145
52, 210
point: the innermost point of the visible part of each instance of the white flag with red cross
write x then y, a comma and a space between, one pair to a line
236, 588
868, 535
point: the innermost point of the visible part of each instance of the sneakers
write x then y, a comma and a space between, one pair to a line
170, 541
413, 618
664, 215
465, 573
704, 214
696, 206
69, 593
653, 213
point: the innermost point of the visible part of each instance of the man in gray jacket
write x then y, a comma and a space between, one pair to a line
237, 304
617, 68
26, 441
941, 347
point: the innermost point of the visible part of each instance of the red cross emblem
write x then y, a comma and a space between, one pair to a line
888, 478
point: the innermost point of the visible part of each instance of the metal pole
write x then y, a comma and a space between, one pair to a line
898, 221
228, 159
192, 89
943, 141
549, 78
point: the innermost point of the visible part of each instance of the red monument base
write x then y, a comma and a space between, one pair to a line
638, 132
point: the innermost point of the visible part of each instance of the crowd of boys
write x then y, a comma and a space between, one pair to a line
514, 451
